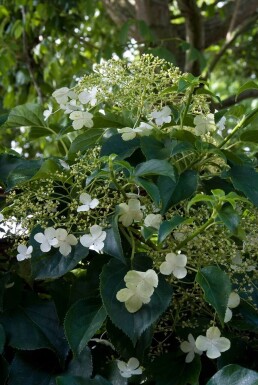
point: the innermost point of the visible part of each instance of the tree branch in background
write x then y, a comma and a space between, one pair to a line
234, 99
28, 57
193, 30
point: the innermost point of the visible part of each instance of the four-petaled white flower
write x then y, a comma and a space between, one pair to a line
61, 95
88, 203
130, 368
190, 348
1, 217
233, 301
47, 240
47, 112
213, 344
65, 241
153, 220
24, 252
204, 124
175, 264
128, 133
130, 212
139, 289
89, 96
81, 119
94, 240
162, 116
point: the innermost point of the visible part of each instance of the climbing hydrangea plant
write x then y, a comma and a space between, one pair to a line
135, 250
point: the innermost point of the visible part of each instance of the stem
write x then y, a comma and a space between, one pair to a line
113, 178
235, 129
133, 247
187, 106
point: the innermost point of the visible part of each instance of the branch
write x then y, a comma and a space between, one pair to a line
27, 56
234, 99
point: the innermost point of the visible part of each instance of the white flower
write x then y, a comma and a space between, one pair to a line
65, 241
153, 220
48, 112
204, 124
94, 240
64, 164
162, 116
233, 301
1, 217
128, 133
24, 252
89, 97
139, 289
130, 212
190, 348
221, 123
70, 107
88, 203
61, 95
81, 119
175, 264
47, 239
213, 344
130, 368
144, 129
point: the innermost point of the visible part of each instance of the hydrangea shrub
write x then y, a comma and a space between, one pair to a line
132, 254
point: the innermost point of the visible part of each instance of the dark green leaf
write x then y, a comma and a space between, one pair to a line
116, 145
73, 380
154, 148
217, 288
229, 217
250, 85
3, 370
250, 136
81, 365
112, 244
2, 339
151, 188
171, 369
167, 226
155, 167
26, 115
245, 179
234, 375
132, 324
85, 141
82, 321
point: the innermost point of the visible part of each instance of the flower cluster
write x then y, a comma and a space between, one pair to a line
139, 289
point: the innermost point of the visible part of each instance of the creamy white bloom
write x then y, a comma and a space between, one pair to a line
204, 124
130, 368
128, 133
1, 217
48, 112
139, 289
153, 220
144, 129
175, 264
70, 106
64, 164
61, 95
213, 344
162, 116
65, 241
87, 202
88, 96
24, 252
233, 301
190, 348
81, 119
221, 123
94, 240
47, 239
128, 213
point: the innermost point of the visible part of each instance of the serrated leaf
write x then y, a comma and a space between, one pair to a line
81, 365
217, 288
166, 227
250, 85
85, 141
229, 217
112, 244
151, 189
154, 148
245, 179
26, 115
116, 145
234, 375
132, 324
155, 167
82, 321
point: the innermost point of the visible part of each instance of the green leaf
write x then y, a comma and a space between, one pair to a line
116, 145
250, 136
217, 288
81, 365
2, 339
4, 372
82, 321
85, 141
234, 375
132, 324
166, 227
245, 179
74, 380
171, 369
250, 85
154, 148
26, 115
53, 264
155, 167
151, 188
229, 217
112, 244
